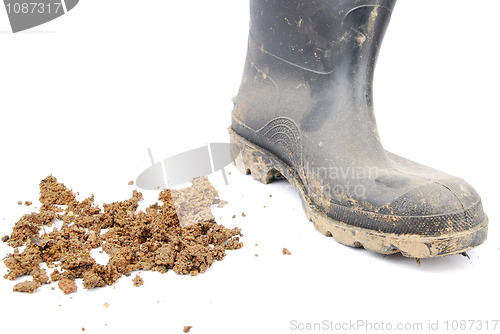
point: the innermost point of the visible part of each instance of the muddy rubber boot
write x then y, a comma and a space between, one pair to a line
304, 111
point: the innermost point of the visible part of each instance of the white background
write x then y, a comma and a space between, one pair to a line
84, 96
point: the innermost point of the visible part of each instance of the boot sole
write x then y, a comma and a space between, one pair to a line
265, 167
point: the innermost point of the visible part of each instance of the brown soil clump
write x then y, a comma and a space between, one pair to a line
67, 286
187, 329
138, 281
27, 286
286, 251
180, 234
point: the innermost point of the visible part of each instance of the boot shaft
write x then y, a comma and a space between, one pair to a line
321, 36
313, 62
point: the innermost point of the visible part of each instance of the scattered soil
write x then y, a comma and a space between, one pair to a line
5, 238
28, 203
286, 251
19, 203
138, 281
187, 329
180, 234
130, 183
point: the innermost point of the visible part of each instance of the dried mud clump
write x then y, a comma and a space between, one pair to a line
138, 281
67, 286
180, 234
27, 286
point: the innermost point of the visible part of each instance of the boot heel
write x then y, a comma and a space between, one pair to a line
250, 159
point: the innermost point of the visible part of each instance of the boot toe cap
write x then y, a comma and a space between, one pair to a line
439, 207
440, 197
436, 208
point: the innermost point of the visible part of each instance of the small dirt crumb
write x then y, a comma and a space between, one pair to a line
67, 286
27, 286
138, 281
256, 254
28, 203
52, 288
19, 203
243, 214
106, 305
83, 329
187, 329
130, 183
5, 238
286, 251
234, 216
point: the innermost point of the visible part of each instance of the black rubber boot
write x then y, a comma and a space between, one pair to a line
304, 111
